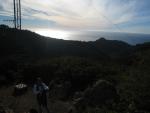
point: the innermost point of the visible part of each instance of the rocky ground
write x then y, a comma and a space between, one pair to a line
101, 93
27, 101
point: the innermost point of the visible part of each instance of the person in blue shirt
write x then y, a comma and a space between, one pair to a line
40, 89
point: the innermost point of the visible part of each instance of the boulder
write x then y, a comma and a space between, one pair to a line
60, 91
20, 89
5, 110
143, 102
102, 92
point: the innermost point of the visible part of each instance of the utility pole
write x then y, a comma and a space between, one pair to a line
14, 1
20, 13
17, 15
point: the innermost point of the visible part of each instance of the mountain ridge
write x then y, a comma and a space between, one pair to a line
16, 41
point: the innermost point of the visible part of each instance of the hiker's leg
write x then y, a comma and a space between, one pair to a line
46, 109
45, 103
39, 108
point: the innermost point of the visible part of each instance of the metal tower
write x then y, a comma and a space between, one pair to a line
17, 14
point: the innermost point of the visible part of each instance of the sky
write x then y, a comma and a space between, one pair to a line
56, 16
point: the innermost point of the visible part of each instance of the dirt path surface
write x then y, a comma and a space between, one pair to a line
27, 101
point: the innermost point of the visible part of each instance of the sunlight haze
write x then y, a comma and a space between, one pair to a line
76, 15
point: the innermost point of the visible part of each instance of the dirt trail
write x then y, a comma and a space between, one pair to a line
22, 104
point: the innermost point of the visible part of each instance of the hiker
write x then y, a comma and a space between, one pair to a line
40, 89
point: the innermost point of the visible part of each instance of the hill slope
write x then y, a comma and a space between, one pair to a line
25, 42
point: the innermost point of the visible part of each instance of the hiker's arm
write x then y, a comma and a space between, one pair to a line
45, 86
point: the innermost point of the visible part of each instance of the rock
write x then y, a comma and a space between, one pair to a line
60, 91
33, 111
2, 111
9, 111
103, 92
5, 110
20, 89
143, 103
139, 112
77, 95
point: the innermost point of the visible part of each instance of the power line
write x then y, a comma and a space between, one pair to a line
17, 15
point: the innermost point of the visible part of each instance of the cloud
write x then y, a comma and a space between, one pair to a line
1, 8
81, 14
86, 13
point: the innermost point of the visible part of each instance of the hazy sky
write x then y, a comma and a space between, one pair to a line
103, 15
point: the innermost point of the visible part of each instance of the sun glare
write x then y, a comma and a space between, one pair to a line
54, 33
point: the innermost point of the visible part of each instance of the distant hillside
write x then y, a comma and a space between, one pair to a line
130, 38
113, 48
24, 42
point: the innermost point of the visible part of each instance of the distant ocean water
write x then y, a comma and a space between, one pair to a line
131, 38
